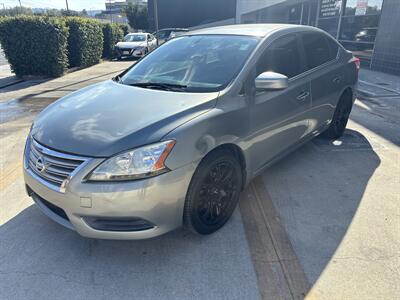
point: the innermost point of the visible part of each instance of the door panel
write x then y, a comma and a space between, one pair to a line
278, 119
327, 78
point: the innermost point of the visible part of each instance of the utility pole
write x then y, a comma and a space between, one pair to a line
156, 19
110, 12
66, 2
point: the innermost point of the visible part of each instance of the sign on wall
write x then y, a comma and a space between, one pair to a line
330, 8
361, 7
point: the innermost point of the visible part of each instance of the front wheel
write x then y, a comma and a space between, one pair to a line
213, 193
340, 118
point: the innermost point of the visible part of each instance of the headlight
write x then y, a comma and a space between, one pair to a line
142, 162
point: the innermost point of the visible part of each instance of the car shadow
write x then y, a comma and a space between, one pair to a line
40, 259
316, 192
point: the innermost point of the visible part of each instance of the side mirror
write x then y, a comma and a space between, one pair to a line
271, 81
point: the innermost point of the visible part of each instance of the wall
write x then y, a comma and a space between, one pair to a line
386, 55
189, 13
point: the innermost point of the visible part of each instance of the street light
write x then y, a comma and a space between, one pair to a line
156, 19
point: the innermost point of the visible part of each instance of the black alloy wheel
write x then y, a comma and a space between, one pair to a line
213, 192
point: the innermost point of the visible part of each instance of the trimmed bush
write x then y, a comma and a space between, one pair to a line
112, 35
35, 45
85, 41
125, 28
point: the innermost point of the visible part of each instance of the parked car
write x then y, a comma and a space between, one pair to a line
136, 45
175, 138
169, 33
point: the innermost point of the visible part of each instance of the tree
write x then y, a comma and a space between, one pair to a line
69, 13
17, 10
137, 16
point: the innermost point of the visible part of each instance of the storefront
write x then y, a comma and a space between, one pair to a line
355, 23
369, 28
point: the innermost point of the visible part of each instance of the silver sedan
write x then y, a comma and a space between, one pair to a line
174, 139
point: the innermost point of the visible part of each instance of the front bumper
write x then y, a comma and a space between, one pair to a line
158, 200
129, 53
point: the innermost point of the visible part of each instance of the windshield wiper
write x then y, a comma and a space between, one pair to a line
160, 85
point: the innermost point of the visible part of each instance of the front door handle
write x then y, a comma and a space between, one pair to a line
337, 79
303, 95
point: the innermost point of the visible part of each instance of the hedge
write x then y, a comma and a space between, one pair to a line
35, 45
85, 41
112, 34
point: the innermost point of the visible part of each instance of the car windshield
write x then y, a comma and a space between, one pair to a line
163, 34
135, 38
199, 63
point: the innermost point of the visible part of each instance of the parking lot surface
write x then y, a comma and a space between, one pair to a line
323, 223
40, 259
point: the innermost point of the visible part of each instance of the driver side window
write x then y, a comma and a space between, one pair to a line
282, 56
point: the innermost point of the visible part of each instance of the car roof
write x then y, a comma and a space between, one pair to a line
169, 29
259, 30
138, 33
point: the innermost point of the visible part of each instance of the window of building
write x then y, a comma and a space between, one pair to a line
363, 7
282, 56
359, 28
316, 48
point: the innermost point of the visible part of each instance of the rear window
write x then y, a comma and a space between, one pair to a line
317, 49
333, 48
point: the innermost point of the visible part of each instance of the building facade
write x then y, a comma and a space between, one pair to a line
369, 28
191, 13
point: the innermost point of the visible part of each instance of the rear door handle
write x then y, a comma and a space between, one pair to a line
303, 95
337, 79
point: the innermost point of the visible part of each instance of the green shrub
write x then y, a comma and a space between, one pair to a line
124, 28
112, 35
35, 45
85, 41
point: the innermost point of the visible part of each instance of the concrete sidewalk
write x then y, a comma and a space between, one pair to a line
378, 84
339, 201
322, 224
7, 78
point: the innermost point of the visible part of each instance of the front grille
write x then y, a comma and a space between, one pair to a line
125, 49
51, 166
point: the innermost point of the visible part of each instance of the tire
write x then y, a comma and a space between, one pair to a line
213, 193
340, 118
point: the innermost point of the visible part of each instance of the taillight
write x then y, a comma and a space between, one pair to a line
357, 62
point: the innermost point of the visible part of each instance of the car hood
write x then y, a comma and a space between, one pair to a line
106, 118
131, 45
